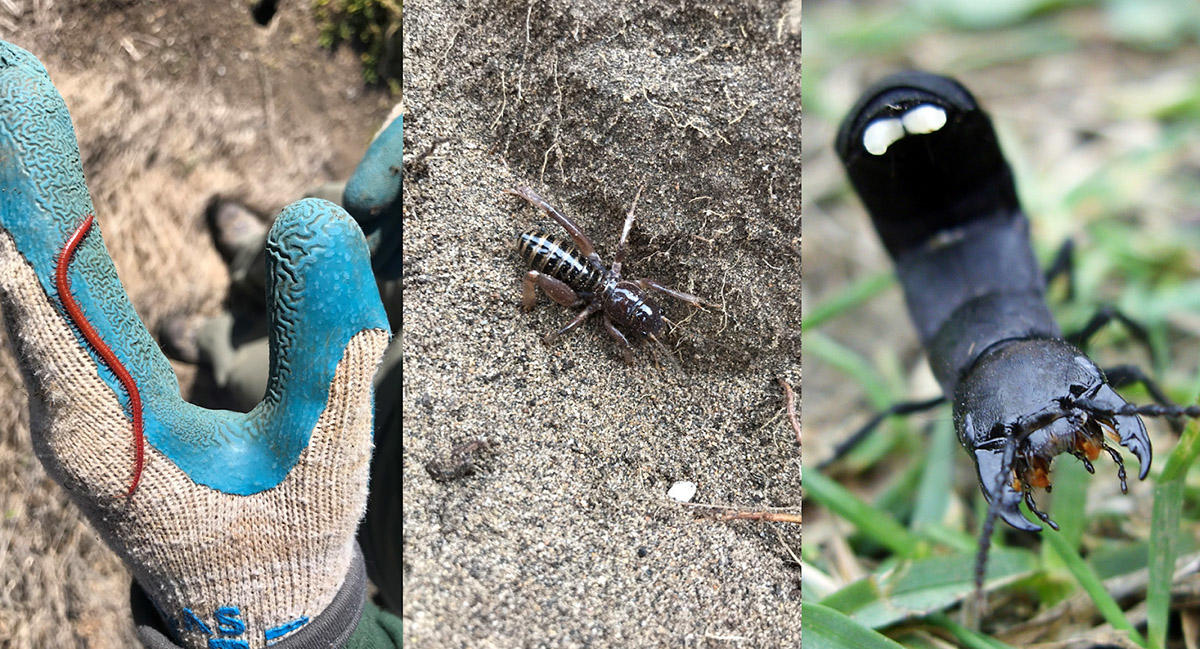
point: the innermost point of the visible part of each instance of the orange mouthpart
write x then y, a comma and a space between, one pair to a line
1089, 447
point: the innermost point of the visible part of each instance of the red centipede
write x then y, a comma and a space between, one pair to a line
63, 284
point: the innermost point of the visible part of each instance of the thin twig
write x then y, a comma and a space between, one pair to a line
790, 400
735, 512
778, 517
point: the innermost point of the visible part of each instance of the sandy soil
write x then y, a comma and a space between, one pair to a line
563, 535
171, 104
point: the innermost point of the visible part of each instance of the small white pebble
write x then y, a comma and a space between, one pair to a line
880, 134
682, 491
925, 118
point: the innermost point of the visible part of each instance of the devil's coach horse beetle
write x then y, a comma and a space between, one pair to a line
925, 161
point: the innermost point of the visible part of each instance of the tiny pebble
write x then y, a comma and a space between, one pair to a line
682, 491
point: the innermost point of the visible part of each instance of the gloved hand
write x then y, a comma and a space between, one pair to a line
372, 192
239, 527
372, 196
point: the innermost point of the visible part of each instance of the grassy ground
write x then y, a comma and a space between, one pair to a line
1097, 105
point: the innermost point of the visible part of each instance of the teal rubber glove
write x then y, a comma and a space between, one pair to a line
372, 193
239, 527
372, 196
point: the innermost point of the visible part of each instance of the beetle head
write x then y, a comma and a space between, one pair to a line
633, 310
1015, 411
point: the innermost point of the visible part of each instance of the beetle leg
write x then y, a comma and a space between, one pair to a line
626, 348
856, 438
577, 235
648, 284
1105, 315
1063, 264
1130, 429
550, 339
555, 289
620, 257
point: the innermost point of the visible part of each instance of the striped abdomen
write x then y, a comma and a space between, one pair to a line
560, 259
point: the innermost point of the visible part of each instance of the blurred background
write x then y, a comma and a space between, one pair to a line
1097, 105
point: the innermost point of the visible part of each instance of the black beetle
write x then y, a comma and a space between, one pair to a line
923, 157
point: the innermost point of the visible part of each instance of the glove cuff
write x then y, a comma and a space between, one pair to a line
331, 629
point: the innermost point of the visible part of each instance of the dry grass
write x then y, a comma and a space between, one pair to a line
169, 109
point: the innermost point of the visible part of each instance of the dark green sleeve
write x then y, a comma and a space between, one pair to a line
377, 629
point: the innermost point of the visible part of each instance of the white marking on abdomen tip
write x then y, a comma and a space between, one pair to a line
880, 134
922, 119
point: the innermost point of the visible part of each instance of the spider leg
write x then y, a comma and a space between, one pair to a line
649, 284
592, 308
622, 341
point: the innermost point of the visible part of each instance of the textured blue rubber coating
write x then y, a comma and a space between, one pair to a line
372, 196
321, 292
373, 189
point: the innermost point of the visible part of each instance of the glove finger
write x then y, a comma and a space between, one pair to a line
44, 204
373, 189
328, 333
320, 294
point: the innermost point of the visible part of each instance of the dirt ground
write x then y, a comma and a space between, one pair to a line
564, 536
171, 104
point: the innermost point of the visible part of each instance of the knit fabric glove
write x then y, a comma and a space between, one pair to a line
239, 527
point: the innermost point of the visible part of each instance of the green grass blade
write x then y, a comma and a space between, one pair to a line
1164, 533
966, 637
846, 300
847, 361
955, 539
914, 589
1164, 542
1091, 584
933, 495
1071, 482
825, 628
872, 522
1183, 455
